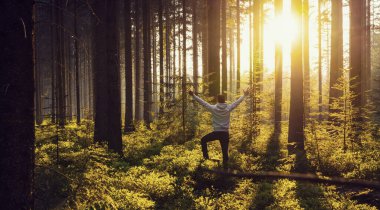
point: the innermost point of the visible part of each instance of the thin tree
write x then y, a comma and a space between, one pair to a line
278, 6
320, 59
128, 121
224, 47
257, 52
231, 53
167, 45
16, 105
336, 63
161, 56
296, 126
53, 62
238, 45
184, 70
147, 61
76, 66
60, 64
306, 58
204, 42
137, 60
214, 46
195, 45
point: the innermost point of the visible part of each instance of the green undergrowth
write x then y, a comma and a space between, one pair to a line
157, 171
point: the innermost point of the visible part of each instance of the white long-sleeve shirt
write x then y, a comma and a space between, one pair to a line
220, 112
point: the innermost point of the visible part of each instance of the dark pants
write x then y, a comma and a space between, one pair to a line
223, 137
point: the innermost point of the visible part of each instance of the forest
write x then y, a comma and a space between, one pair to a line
114, 104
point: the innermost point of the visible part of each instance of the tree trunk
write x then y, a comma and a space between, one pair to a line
77, 79
356, 58
137, 60
319, 60
238, 46
296, 129
231, 56
53, 63
204, 42
161, 58
224, 48
366, 54
100, 72
278, 73
214, 46
16, 105
336, 64
195, 45
154, 59
128, 121
306, 59
147, 62
258, 51
113, 78
168, 53
60, 64
184, 70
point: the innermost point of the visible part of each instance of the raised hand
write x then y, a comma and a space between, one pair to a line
191, 93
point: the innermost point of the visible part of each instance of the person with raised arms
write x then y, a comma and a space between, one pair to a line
221, 112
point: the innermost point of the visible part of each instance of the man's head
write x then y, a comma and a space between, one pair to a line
221, 99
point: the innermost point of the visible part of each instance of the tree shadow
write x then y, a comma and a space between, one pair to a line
310, 195
264, 196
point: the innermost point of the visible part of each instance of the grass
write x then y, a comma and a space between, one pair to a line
154, 174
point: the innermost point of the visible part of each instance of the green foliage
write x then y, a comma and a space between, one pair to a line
341, 146
158, 170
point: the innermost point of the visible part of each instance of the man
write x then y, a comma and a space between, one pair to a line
220, 122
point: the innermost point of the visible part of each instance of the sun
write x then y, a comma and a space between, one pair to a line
277, 30
281, 29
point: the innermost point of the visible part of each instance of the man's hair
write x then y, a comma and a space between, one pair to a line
221, 99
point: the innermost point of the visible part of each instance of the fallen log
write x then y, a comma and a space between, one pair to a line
271, 175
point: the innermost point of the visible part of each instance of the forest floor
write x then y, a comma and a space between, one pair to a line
156, 173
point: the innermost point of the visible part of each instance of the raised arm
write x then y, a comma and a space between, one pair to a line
201, 101
237, 102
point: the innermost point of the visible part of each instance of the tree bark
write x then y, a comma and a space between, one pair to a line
137, 60
278, 73
306, 59
60, 65
147, 62
238, 46
100, 72
336, 64
53, 65
224, 48
214, 46
356, 58
161, 57
76, 50
16, 105
319, 60
184, 71
231, 56
296, 129
195, 45
204, 42
128, 121
113, 78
